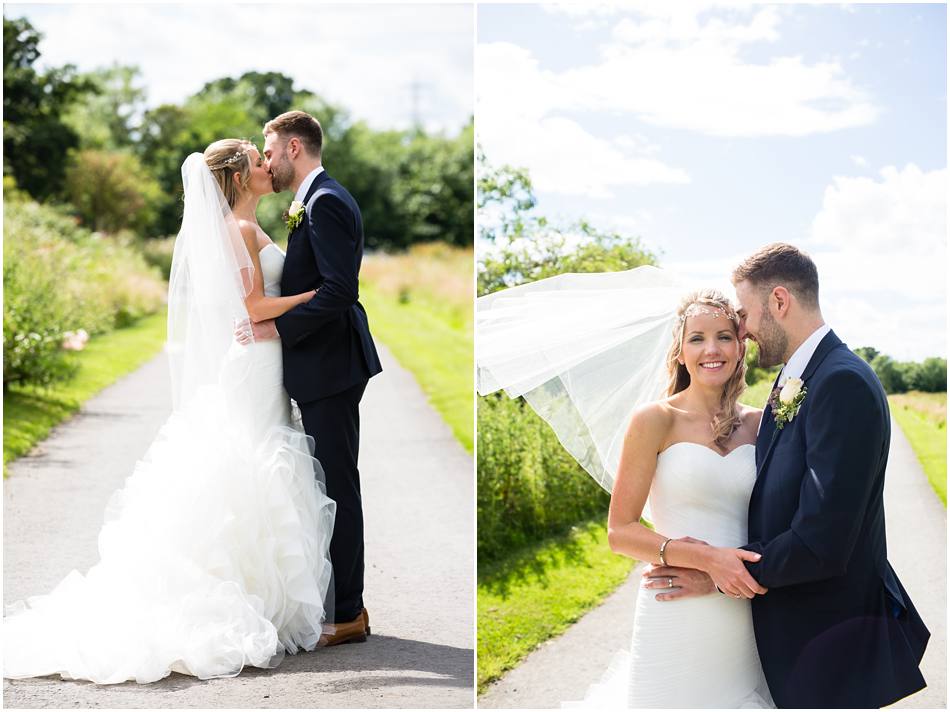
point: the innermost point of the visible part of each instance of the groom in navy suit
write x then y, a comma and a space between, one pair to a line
836, 628
329, 353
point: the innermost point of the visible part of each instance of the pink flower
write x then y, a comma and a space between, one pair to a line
75, 340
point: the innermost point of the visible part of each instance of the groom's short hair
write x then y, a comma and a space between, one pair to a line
781, 264
299, 124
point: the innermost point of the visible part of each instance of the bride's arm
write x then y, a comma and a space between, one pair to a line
259, 306
648, 428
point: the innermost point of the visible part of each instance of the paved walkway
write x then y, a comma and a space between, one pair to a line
419, 507
562, 669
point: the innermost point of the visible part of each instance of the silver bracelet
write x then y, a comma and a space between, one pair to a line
663, 552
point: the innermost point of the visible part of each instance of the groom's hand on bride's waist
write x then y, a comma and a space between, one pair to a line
675, 582
247, 331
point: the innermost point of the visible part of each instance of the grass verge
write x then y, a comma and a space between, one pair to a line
420, 305
30, 413
923, 418
538, 592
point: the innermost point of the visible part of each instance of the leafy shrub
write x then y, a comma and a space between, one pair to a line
158, 253
529, 487
59, 277
111, 190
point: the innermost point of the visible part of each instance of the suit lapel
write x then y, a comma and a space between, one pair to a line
768, 429
314, 185
768, 433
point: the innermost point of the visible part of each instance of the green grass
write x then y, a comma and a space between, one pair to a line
923, 418
30, 413
437, 348
537, 593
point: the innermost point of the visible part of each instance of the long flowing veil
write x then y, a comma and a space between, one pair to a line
583, 350
211, 274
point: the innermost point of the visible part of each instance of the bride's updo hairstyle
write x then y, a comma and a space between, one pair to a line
225, 158
727, 419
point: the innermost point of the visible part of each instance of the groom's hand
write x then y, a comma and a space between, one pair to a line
247, 331
686, 583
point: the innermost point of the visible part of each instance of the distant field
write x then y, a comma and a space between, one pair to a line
420, 305
923, 418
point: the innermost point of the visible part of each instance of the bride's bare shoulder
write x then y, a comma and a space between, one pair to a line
652, 419
254, 237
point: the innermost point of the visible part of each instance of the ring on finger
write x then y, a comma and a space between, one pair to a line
670, 584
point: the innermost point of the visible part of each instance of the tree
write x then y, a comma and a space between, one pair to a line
526, 247
932, 375
265, 94
110, 191
889, 373
505, 199
868, 353
110, 117
36, 141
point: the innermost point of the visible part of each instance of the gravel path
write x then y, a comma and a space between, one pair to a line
418, 498
563, 668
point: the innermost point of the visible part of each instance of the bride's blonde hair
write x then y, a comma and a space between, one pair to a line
225, 158
727, 419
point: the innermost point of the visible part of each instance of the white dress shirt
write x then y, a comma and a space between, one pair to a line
798, 361
305, 183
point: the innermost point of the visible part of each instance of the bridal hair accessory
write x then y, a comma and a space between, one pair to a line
294, 215
786, 400
697, 309
235, 158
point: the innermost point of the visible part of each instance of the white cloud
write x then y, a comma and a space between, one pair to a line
365, 58
904, 212
881, 245
859, 161
517, 125
681, 65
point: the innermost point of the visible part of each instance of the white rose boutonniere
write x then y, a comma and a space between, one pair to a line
786, 400
294, 215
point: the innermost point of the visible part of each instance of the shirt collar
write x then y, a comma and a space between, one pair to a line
305, 183
799, 360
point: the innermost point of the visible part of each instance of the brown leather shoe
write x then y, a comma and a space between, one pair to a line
354, 631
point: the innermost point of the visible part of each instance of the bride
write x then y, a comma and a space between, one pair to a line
586, 352
214, 554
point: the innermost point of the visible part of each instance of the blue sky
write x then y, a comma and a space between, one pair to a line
364, 57
711, 129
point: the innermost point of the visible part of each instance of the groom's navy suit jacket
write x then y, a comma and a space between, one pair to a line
836, 629
326, 341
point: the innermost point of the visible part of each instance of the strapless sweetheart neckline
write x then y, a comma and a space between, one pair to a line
706, 447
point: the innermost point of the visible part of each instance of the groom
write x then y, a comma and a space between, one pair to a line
329, 354
836, 628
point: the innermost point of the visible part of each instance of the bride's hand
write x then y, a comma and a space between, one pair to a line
726, 568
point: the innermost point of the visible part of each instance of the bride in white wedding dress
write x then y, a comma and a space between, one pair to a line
214, 554
587, 353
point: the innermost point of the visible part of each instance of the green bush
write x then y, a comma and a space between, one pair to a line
59, 277
158, 252
529, 487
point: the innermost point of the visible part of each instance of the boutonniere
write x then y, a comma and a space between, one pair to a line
786, 400
294, 216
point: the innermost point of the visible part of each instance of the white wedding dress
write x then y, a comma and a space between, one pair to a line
213, 555
695, 652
